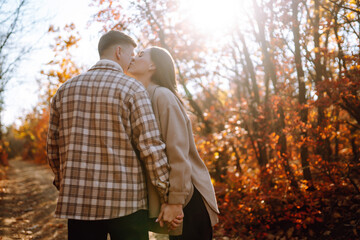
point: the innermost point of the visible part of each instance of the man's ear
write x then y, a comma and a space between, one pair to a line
118, 52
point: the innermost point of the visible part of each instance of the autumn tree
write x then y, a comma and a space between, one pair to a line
16, 18
61, 68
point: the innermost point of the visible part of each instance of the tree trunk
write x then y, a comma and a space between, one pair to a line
261, 149
323, 146
304, 151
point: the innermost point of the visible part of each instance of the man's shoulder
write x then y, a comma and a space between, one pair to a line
66, 84
119, 78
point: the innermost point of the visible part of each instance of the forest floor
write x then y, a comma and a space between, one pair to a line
27, 204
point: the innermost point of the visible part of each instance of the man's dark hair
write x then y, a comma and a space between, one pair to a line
112, 38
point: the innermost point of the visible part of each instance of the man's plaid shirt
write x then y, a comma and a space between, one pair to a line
96, 121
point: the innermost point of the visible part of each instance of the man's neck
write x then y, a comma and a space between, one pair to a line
111, 60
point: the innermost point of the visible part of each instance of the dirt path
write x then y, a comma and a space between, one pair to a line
27, 203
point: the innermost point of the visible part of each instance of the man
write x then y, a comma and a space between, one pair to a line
98, 121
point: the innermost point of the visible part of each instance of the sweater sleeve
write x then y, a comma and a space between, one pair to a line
174, 131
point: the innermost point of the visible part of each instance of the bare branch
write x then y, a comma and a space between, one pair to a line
13, 25
342, 6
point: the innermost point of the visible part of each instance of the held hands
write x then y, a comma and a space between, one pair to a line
171, 214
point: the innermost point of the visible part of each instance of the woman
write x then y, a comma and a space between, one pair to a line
190, 182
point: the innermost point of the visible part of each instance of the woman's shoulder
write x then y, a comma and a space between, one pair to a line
162, 94
166, 101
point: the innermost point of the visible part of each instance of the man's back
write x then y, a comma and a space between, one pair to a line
96, 119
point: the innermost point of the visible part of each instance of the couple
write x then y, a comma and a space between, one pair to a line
123, 153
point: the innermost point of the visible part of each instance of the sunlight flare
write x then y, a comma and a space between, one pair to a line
214, 16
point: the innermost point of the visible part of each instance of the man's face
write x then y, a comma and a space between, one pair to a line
126, 53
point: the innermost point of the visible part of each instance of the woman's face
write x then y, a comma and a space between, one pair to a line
141, 63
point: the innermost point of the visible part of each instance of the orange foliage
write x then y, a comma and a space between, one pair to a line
34, 131
253, 209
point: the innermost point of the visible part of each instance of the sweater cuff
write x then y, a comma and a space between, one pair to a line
177, 197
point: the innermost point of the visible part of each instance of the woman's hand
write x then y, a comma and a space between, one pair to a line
175, 223
171, 214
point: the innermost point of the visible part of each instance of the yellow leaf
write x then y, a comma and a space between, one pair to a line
350, 16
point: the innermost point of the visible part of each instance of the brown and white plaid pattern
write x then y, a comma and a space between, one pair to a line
95, 120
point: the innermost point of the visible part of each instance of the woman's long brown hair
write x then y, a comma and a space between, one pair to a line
164, 74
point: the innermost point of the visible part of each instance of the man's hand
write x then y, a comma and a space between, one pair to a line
171, 214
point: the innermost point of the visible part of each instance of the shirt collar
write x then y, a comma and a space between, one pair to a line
107, 64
